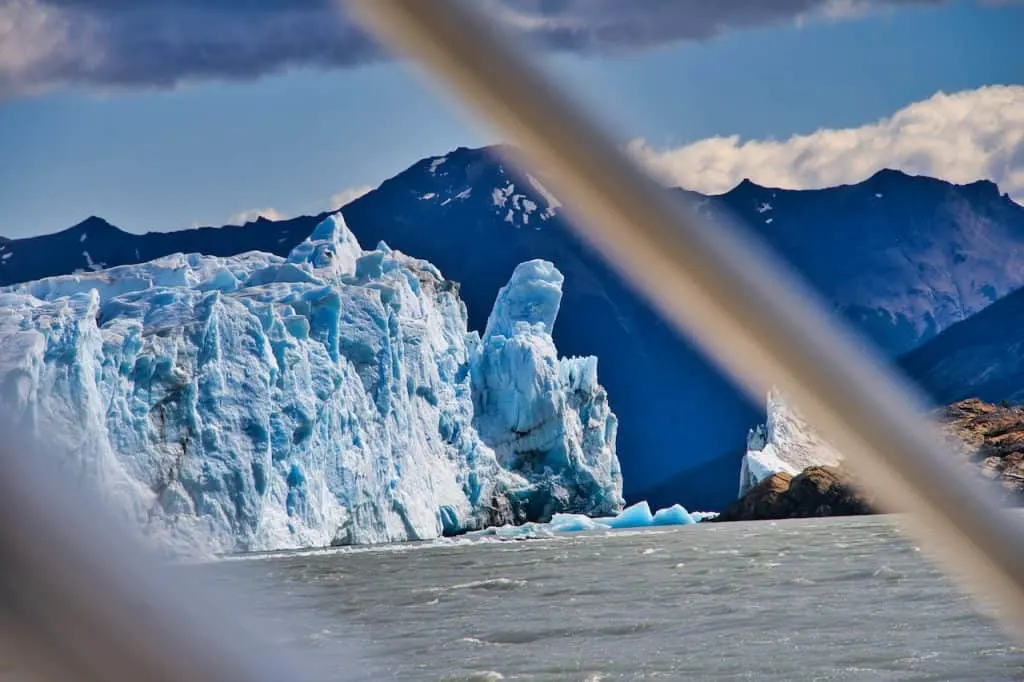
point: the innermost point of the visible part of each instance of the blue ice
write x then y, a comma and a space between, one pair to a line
636, 516
333, 397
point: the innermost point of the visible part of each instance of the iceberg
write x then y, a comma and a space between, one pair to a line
636, 516
332, 397
785, 443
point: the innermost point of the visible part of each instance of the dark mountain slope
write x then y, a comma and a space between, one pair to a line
981, 357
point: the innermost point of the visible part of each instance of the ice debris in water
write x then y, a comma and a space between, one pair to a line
636, 516
784, 444
333, 397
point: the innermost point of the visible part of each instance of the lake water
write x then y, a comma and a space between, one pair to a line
822, 599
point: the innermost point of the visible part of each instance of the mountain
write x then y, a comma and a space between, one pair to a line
981, 357
334, 397
94, 244
716, 479
901, 257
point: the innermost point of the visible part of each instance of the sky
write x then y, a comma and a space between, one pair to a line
161, 116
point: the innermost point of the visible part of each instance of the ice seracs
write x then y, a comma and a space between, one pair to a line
333, 397
785, 443
546, 418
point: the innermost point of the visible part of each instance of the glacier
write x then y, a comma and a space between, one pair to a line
785, 443
333, 397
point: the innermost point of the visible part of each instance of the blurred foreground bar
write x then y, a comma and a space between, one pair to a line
81, 600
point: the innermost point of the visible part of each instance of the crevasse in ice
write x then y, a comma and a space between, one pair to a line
333, 397
784, 443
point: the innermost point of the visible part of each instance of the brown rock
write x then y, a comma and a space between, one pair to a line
828, 491
990, 436
767, 500
817, 491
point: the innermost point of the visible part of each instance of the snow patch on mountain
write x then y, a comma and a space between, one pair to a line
520, 208
436, 163
500, 195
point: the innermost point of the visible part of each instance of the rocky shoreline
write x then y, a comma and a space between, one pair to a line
990, 436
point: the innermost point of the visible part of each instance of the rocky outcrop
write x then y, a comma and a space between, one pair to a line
990, 436
785, 443
817, 491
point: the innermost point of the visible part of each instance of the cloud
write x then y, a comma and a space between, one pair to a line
149, 43
346, 196
611, 25
249, 216
335, 202
960, 137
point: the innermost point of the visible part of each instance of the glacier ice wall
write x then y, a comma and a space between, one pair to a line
546, 418
784, 443
333, 397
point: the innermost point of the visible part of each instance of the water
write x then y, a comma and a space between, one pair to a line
822, 599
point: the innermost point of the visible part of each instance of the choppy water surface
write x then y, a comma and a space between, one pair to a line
826, 599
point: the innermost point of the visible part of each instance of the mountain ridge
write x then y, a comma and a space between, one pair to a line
983, 185
745, 182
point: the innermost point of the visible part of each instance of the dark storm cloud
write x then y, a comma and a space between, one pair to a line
146, 43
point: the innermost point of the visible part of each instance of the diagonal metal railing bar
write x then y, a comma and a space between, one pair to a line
727, 294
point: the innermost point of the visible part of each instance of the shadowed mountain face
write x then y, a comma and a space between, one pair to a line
981, 357
901, 257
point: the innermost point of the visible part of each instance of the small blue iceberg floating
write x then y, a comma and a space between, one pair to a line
636, 516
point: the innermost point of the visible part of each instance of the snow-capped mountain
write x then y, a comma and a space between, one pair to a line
902, 257
336, 396
981, 357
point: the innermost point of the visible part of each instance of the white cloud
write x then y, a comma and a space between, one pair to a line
960, 137
841, 10
32, 38
333, 204
251, 215
346, 196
